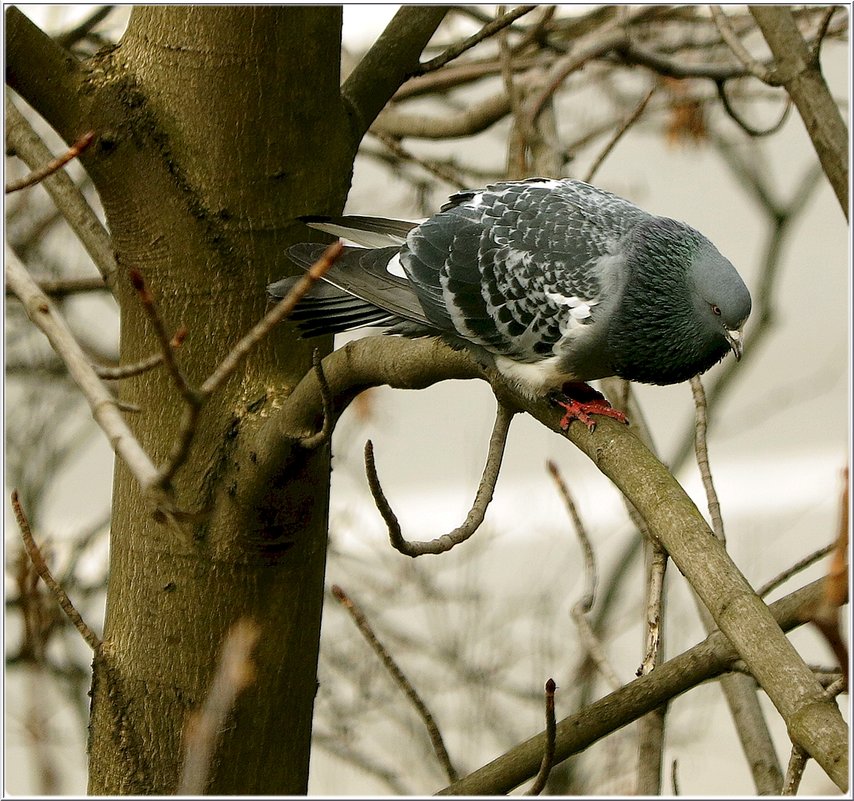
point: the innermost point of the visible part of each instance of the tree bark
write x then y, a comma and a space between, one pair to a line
211, 141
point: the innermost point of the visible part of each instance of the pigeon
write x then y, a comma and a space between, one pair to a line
552, 282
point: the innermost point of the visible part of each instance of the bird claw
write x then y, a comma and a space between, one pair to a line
581, 410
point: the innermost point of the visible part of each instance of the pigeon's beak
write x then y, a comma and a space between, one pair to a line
736, 342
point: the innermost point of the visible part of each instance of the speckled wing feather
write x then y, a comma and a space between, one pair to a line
518, 266
359, 272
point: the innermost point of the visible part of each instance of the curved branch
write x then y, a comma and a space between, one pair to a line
756, 133
392, 59
325, 432
485, 490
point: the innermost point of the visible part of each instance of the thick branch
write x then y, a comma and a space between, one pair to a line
43, 73
392, 59
801, 74
672, 517
704, 661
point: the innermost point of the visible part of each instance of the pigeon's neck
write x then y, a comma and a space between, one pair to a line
655, 336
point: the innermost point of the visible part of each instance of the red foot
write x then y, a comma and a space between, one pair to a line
581, 410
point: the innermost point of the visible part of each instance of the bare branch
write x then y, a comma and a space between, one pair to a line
795, 770
27, 145
756, 133
432, 167
278, 313
121, 372
234, 673
503, 417
43, 314
710, 658
551, 732
796, 568
37, 176
490, 29
400, 679
821, 32
391, 60
78, 32
166, 349
702, 450
655, 595
196, 398
740, 691
92, 639
63, 287
754, 67
472, 120
803, 80
618, 134
592, 644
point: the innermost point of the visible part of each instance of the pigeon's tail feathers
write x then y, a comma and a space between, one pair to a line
325, 309
358, 290
369, 232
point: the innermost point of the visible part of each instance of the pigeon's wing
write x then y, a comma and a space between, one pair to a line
518, 266
367, 290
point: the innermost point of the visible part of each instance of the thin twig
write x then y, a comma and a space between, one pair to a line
618, 134
63, 287
485, 489
434, 168
490, 29
54, 165
325, 432
754, 67
674, 778
702, 451
234, 673
795, 770
592, 644
130, 370
92, 639
397, 674
278, 313
148, 304
551, 736
800, 565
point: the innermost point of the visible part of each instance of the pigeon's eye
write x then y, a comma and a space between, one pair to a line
716, 311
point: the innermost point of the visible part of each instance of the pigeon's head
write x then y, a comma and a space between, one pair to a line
721, 299
683, 308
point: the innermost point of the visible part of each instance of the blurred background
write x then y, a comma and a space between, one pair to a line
480, 629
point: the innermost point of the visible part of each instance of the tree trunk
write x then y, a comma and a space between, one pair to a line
217, 126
